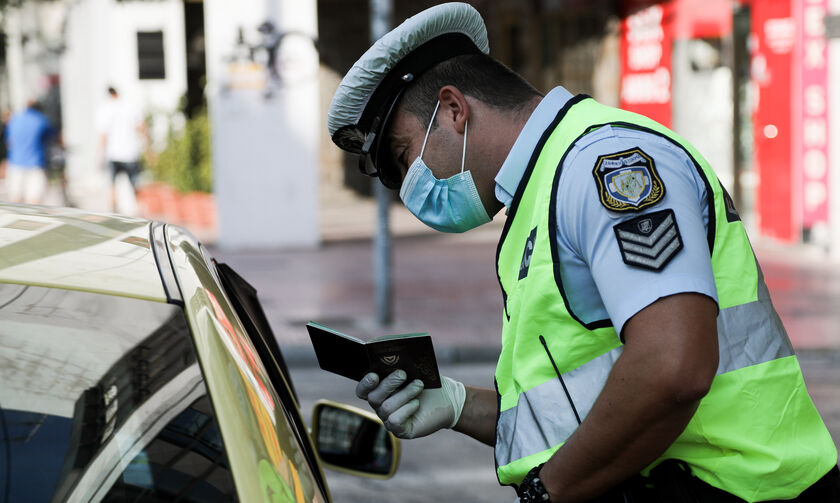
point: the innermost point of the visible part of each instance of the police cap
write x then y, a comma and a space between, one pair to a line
367, 95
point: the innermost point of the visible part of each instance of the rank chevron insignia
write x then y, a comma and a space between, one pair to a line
649, 241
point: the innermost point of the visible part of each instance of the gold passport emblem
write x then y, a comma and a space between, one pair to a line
390, 360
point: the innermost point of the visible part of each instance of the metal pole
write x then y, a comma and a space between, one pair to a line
740, 65
380, 22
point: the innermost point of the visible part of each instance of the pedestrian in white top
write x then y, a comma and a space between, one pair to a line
122, 133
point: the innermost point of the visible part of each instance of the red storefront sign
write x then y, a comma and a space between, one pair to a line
774, 38
702, 19
812, 124
646, 62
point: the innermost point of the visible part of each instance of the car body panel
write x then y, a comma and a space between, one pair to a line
71, 249
267, 462
99, 271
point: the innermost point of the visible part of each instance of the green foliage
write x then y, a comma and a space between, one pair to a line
185, 161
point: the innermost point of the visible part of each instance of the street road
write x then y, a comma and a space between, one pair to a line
443, 467
448, 466
447, 285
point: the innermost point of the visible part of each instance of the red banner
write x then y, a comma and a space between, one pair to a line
646, 62
774, 37
702, 19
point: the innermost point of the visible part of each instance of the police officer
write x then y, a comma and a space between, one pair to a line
638, 335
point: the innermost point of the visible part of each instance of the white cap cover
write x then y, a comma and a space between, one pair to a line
366, 94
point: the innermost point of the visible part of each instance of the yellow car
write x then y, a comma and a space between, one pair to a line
133, 367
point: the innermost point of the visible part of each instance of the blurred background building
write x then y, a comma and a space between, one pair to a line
66, 54
754, 84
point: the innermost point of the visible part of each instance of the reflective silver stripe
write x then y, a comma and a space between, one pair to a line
657, 263
524, 430
748, 334
751, 333
652, 251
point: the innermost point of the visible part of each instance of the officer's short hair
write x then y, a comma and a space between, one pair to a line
476, 75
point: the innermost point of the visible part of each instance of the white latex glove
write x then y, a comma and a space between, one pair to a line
413, 411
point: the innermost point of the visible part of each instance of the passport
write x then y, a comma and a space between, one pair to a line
351, 357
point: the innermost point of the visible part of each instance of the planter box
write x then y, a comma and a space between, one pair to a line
194, 210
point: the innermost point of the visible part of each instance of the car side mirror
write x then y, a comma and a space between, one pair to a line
352, 440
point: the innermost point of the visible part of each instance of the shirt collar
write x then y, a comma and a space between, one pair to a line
512, 170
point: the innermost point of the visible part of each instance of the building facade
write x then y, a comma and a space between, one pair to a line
749, 83
66, 54
753, 84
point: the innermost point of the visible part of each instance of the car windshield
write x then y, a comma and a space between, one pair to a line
102, 399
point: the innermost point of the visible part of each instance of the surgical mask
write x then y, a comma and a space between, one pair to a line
450, 205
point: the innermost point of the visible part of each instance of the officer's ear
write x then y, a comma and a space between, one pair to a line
453, 108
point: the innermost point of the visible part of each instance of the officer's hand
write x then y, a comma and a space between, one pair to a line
413, 411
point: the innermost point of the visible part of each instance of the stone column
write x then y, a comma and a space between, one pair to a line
262, 73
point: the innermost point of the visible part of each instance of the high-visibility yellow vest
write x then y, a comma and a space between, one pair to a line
756, 434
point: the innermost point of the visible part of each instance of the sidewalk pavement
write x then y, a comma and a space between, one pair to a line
446, 285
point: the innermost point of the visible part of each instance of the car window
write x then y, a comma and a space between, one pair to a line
184, 462
102, 399
243, 296
259, 420
244, 299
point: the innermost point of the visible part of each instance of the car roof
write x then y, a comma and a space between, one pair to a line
78, 250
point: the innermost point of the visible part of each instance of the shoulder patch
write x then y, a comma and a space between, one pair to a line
628, 181
649, 241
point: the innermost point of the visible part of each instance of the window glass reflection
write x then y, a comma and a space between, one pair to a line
185, 462
102, 399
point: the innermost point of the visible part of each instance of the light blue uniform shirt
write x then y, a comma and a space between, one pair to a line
597, 282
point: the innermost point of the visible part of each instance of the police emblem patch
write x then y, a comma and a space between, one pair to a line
628, 181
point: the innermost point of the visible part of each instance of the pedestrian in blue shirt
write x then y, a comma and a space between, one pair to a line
28, 134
